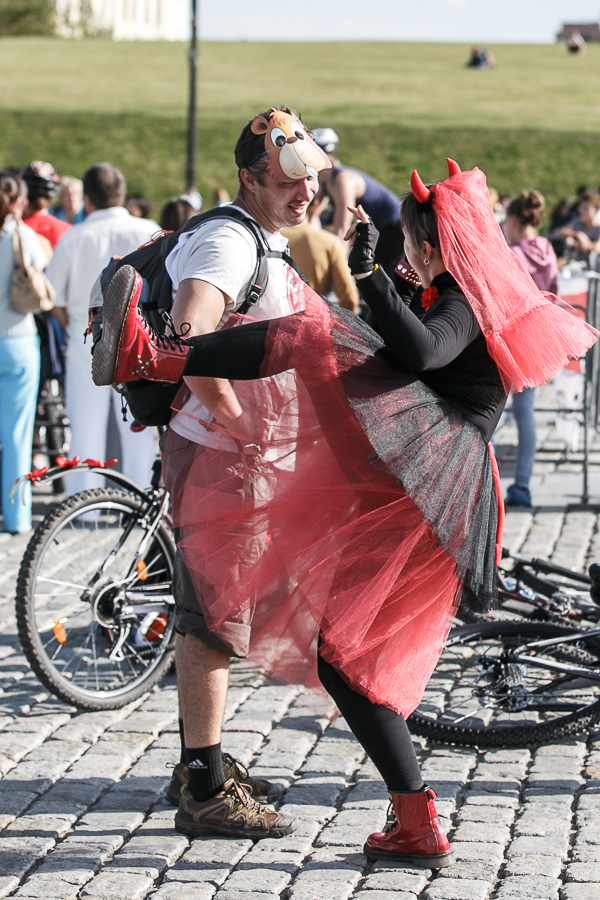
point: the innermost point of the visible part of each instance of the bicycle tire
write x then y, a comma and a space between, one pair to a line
78, 536
507, 731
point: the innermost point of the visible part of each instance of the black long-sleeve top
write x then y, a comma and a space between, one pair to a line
444, 346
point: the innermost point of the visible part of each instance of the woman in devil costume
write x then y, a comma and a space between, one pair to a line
387, 511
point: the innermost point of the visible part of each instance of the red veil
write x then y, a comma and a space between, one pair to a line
530, 334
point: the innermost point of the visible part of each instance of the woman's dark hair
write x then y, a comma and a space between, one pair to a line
528, 208
589, 197
250, 147
11, 188
419, 221
175, 214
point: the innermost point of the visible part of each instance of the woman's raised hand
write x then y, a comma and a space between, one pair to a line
363, 237
361, 216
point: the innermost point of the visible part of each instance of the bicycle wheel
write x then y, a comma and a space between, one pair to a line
478, 696
95, 610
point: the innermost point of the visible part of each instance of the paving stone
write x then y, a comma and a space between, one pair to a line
243, 895
118, 885
530, 824
583, 872
332, 890
68, 750
19, 855
482, 831
15, 745
450, 889
251, 880
471, 850
580, 891
114, 821
7, 884
522, 887
493, 815
396, 880
14, 803
186, 891
538, 846
49, 889
473, 870
533, 865
479, 797
41, 826
386, 895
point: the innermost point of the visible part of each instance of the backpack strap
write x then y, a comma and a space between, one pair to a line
260, 277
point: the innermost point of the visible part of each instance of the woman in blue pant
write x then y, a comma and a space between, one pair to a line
523, 219
19, 358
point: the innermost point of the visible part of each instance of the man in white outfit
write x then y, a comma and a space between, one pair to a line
109, 230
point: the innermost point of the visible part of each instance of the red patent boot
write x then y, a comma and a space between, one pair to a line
416, 837
129, 348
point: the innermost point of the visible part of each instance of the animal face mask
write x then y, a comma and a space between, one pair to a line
291, 152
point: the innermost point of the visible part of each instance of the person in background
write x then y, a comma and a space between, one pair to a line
138, 205
70, 201
109, 230
175, 214
19, 357
321, 257
43, 185
523, 219
221, 198
348, 187
561, 214
582, 233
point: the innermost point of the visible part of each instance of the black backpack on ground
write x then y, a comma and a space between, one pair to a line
150, 401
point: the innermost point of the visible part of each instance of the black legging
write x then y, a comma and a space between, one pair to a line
380, 731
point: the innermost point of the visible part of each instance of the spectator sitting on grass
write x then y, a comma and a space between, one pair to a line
582, 233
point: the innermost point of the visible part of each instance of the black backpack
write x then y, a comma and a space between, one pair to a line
150, 401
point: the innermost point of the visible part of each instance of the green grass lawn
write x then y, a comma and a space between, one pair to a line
534, 121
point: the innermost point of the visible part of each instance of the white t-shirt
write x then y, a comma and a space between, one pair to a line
222, 252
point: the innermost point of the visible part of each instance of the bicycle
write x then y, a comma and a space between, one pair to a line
94, 602
561, 596
522, 680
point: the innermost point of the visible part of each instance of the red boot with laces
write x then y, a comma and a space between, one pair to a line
416, 837
129, 348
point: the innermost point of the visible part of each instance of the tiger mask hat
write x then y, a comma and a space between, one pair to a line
291, 152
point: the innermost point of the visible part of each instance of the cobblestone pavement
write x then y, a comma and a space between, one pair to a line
83, 815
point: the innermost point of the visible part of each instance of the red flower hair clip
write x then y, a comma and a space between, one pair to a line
428, 297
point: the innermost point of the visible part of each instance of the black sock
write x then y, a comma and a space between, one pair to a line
381, 731
205, 771
182, 758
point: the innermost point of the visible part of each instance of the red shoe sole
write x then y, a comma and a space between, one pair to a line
433, 861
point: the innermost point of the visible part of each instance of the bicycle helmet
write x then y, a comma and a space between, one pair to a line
41, 180
326, 139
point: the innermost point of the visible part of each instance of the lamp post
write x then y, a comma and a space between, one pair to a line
192, 111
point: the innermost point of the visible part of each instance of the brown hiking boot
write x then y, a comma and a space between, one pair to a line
177, 784
262, 791
231, 812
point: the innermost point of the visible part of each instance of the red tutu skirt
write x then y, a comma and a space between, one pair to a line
381, 516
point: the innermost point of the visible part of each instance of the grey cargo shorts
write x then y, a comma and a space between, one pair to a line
185, 463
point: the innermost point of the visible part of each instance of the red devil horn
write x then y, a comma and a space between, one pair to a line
421, 192
453, 168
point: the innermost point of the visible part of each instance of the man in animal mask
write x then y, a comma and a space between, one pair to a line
215, 439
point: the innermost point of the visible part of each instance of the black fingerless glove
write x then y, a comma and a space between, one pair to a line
362, 256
